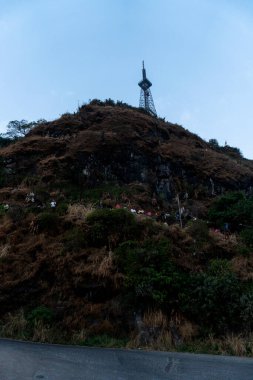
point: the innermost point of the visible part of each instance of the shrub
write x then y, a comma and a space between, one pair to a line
151, 277
41, 314
104, 340
14, 325
247, 237
2, 210
5, 141
213, 143
62, 208
16, 213
75, 239
198, 229
212, 298
48, 221
110, 226
219, 268
232, 208
246, 307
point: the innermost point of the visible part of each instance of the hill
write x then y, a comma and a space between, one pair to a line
110, 260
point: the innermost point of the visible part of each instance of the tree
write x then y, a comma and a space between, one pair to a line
17, 129
213, 143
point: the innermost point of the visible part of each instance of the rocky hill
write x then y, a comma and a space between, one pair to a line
105, 144
111, 257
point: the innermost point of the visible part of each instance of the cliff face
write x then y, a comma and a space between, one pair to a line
101, 145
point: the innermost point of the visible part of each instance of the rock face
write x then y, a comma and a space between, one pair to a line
105, 144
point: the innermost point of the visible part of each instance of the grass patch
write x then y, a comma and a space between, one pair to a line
104, 340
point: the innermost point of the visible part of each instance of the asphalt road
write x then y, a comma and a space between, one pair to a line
30, 361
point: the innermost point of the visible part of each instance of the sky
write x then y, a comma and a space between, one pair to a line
58, 54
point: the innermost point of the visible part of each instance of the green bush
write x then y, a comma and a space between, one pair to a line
62, 208
247, 237
246, 307
41, 313
104, 340
48, 221
219, 268
2, 210
75, 239
16, 213
232, 208
151, 276
106, 224
212, 298
198, 229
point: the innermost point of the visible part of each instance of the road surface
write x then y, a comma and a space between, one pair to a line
31, 361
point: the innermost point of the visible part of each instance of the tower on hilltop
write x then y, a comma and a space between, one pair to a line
146, 100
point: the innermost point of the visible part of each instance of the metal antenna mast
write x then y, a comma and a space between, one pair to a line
146, 100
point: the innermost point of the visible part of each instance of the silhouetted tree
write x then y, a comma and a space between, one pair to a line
17, 129
214, 143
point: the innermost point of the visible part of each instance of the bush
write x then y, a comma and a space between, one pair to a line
247, 237
108, 226
246, 307
104, 340
151, 277
48, 221
212, 298
75, 239
62, 208
41, 313
198, 229
232, 208
213, 143
16, 213
2, 210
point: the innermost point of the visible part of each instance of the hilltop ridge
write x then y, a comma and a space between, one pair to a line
101, 144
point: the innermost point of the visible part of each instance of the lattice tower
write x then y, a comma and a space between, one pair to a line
146, 99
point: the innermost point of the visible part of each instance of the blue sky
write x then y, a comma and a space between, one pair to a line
55, 54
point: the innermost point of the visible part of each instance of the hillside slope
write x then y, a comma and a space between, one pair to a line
90, 266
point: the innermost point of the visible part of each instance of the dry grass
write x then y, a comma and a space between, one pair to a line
106, 267
243, 267
187, 330
154, 332
164, 342
79, 336
99, 264
228, 243
14, 325
155, 319
77, 212
232, 344
42, 333
4, 250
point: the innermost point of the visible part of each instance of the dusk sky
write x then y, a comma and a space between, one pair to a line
56, 54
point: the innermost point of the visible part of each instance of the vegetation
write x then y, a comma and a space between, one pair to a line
229, 150
108, 226
110, 265
233, 208
40, 314
151, 276
48, 221
17, 129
